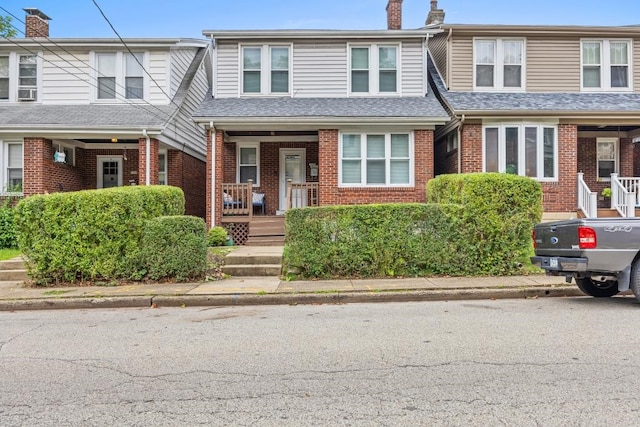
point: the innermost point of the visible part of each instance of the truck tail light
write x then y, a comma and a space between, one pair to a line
587, 238
533, 236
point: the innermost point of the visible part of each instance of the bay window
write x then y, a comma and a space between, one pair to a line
526, 149
606, 65
376, 159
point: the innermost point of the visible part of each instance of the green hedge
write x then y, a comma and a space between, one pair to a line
217, 236
477, 224
7, 228
92, 234
175, 247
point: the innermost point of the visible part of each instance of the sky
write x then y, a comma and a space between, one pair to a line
188, 18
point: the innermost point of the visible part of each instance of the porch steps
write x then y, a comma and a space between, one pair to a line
13, 270
266, 231
254, 261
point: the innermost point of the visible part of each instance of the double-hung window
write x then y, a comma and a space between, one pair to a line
374, 69
607, 155
248, 166
499, 64
4, 77
266, 69
606, 65
162, 167
526, 149
11, 176
120, 75
384, 159
27, 77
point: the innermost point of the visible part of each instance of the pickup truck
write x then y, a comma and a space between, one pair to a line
601, 254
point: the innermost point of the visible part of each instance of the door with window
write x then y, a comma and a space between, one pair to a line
292, 166
109, 172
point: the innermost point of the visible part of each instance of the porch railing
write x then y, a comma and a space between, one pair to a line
237, 199
622, 199
587, 199
633, 186
300, 195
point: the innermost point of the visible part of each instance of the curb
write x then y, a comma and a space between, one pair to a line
75, 303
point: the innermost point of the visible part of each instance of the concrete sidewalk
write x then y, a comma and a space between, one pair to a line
272, 290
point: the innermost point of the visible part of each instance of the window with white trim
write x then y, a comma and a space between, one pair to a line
266, 69
4, 77
12, 167
452, 141
120, 75
606, 65
607, 157
376, 159
162, 167
248, 163
498, 64
526, 149
374, 69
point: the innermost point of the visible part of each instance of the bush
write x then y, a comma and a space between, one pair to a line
92, 234
176, 247
7, 229
217, 236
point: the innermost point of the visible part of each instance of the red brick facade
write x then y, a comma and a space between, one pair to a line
153, 161
36, 27
188, 173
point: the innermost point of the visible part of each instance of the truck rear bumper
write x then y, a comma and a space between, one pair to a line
560, 263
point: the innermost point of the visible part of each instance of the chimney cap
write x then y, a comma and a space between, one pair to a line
36, 12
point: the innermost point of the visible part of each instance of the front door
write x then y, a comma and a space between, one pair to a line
292, 166
109, 171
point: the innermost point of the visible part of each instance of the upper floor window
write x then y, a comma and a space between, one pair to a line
265, 69
376, 159
521, 149
4, 77
27, 77
498, 64
120, 75
374, 69
606, 65
11, 163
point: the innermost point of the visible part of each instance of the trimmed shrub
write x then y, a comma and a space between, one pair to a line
7, 229
217, 236
91, 234
175, 247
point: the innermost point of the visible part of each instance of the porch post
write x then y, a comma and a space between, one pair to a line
614, 190
152, 161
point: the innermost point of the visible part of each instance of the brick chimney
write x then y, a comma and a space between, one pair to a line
36, 23
436, 16
394, 15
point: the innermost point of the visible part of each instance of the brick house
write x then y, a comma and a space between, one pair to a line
557, 103
93, 113
318, 117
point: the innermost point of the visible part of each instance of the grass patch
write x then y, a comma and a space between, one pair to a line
8, 254
60, 292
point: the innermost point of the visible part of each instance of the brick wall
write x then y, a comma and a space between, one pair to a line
36, 27
188, 173
215, 141
471, 146
153, 163
394, 15
42, 175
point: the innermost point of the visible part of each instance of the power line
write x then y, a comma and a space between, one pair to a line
82, 70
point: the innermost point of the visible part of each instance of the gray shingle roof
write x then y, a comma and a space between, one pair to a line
407, 107
569, 102
84, 116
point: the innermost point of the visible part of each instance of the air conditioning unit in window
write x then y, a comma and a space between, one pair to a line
27, 94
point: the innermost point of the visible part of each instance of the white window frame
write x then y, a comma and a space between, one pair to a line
521, 126
121, 74
4, 174
363, 159
616, 159
374, 68
499, 64
605, 65
164, 162
7, 77
255, 145
265, 69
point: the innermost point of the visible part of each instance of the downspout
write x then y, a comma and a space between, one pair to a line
147, 172
213, 174
460, 144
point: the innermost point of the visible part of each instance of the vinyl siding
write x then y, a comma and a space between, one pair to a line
159, 86
553, 65
226, 82
320, 69
462, 64
180, 60
66, 78
636, 65
412, 68
438, 49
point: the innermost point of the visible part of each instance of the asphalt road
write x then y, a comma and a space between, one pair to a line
546, 362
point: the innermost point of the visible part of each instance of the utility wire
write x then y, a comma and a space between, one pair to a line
118, 96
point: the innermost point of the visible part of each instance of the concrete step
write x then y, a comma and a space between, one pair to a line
265, 241
12, 264
252, 270
13, 275
233, 259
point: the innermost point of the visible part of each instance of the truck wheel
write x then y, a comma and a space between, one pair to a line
598, 289
635, 279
